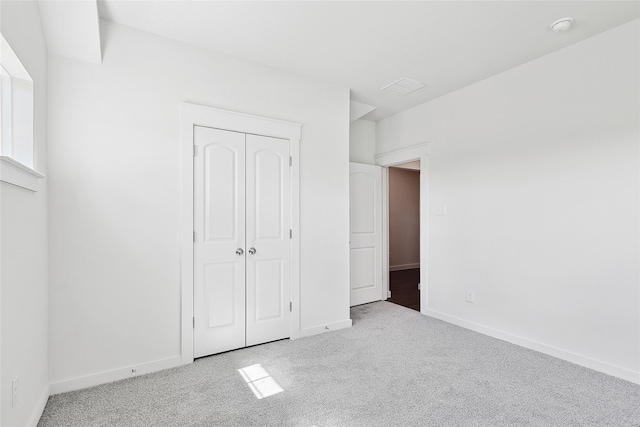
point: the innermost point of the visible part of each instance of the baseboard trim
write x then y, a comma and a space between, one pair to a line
404, 266
315, 330
578, 359
114, 375
39, 408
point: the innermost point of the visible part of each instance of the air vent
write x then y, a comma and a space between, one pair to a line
403, 86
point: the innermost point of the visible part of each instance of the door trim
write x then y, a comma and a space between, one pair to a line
392, 158
197, 115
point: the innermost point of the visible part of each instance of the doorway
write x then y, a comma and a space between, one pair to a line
253, 129
404, 234
393, 158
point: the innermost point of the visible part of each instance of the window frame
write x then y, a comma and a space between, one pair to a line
16, 121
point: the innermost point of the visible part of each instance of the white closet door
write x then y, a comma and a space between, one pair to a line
365, 224
219, 222
268, 240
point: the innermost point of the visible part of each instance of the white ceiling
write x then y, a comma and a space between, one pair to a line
366, 45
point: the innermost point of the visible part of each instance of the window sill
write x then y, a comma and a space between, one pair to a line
15, 173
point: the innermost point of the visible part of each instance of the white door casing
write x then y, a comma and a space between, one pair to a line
365, 225
191, 116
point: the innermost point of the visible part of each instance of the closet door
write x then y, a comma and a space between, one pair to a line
219, 243
242, 283
268, 286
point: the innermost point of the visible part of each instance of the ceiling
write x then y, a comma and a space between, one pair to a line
365, 45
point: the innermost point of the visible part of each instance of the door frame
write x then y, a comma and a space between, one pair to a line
392, 158
197, 115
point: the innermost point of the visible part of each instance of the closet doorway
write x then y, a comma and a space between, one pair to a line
240, 243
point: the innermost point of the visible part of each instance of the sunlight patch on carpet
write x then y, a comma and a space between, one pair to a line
260, 381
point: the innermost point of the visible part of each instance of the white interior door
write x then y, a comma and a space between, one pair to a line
242, 283
268, 239
365, 224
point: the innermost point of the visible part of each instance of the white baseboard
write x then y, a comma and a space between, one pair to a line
114, 375
578, 359
404, 266
315, 330
39, 408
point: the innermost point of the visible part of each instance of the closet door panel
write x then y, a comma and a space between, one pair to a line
268, 240
219, 223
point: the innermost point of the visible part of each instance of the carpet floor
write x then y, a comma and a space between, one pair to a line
394, 367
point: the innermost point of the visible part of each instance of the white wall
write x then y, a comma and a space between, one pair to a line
362, 141
539, 168
23, 227
115, 194
404, 219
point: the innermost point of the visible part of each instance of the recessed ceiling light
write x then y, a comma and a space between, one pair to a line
562, 24
403, 86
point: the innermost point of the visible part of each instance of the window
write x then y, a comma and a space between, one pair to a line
16, 121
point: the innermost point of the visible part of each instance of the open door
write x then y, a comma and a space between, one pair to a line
365, 211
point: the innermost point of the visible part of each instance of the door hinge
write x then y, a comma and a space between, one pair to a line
291, 234
194, 236
194, 151
290, 161
290, 306
194, 322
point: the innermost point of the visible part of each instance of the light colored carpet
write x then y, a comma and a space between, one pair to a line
394, 367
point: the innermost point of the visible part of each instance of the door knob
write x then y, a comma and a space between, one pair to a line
252, 251
239, 251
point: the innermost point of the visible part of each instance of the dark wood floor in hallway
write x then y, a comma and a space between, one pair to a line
403, 285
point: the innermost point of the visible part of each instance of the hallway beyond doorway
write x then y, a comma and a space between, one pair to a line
403, 285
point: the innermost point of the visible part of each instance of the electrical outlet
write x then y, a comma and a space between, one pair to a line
134, 372
441, 210
470, 296
14, 391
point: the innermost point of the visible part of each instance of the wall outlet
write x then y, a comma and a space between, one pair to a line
470, 296
441, 210
134, 372
14, 391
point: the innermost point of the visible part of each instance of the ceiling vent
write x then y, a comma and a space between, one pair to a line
403, 86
